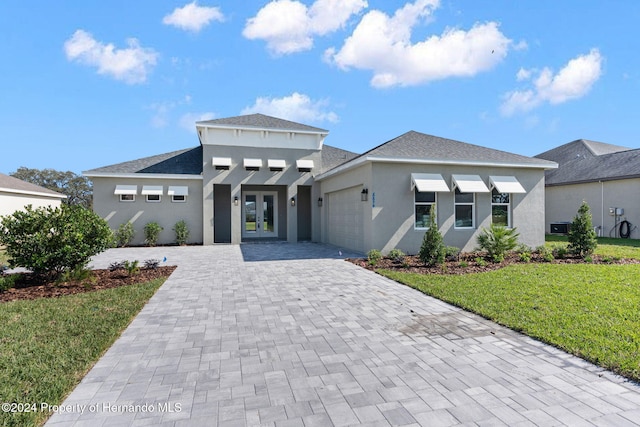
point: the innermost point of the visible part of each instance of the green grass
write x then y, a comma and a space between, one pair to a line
614, 248
3, 257
588, 310
48, 345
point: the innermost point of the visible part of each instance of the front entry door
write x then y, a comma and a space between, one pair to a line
260, 216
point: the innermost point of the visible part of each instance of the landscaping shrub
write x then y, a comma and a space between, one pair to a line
524, 253
182, 232
545, 253
7, 282
432, 250
497, 241
452, 253
396, 255
132, 267
53, 240
582, 237
124, 234
152, 231
374, 256
560, 252
116, 265
151, 264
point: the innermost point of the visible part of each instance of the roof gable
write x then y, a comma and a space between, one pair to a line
260, 121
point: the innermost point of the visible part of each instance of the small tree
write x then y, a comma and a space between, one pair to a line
53, 240
582, 236
432, 250
124, 234
182, 232
152, 231
497, 240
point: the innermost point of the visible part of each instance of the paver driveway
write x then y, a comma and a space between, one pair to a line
287, 335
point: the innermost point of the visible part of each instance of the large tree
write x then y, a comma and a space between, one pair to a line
77, 188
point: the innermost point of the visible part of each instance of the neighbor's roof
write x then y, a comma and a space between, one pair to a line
182, 162
589, 161
416, 147
10, 184
260, 121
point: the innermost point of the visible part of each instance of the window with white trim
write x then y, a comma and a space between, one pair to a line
153, 198
178, 198
463, 205
500, 208
422, 208
127, 197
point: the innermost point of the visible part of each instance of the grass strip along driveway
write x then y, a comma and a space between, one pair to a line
49, 344
591, 311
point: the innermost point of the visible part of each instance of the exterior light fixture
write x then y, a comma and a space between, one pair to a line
364, 195
293, 201
320, 202
235, 201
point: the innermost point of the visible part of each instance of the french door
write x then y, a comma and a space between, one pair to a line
260, 214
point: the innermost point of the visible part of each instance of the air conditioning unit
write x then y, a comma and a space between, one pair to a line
560, 227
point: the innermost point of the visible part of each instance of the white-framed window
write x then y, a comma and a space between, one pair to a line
422, 208
463, 206
500, 208
127, 197
153, 198
178, 198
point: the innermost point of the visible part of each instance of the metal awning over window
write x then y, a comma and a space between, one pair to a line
426, 182
276, 164
126, 189
178, 191
152, 190
506, 184
304, 165
469, 184
252, 164
221, 162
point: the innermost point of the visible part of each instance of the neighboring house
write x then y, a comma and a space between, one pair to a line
258, 177
606, 176
16, 194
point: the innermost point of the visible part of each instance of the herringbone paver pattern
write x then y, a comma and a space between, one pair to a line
288, 335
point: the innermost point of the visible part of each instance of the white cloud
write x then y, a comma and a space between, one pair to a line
188, 120
573, 81
192, 17
289, 26
131, 64
382, 43
162, 110
297, 107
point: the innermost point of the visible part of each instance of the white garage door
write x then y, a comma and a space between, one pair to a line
344, 218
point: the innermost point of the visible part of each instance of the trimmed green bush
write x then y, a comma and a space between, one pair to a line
432, 250
124, 234
182, 232
396, 255
497, 241
152, 231
53, 240
582, 237
374, 256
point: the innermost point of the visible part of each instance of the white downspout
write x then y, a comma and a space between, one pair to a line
602, 203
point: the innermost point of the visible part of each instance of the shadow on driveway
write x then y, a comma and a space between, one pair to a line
282, 251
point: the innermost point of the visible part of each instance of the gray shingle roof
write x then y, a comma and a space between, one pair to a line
182, 162
332, 157
589, 161
18, 185
261, 121
416, 145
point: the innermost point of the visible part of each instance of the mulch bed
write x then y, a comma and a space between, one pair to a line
469, 263
29, 287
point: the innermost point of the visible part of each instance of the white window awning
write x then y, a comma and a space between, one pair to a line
276, 164
253, 163
126, 189
178, 191
427, 182
506, 184
152, 190
469, 184
304, 164
221, 162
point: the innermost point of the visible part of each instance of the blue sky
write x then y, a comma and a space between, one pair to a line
92, 83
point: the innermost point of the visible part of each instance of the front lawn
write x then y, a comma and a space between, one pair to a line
585, 309
48, 344
620, 248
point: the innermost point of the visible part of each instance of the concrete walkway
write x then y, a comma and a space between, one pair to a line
289, 335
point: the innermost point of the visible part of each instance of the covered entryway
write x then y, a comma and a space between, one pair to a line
259, 214
344, 220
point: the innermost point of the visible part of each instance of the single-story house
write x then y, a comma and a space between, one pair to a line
259, 177
606, 176
16, 194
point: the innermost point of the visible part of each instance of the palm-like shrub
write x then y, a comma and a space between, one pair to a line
497, 241
432, 250
582, 236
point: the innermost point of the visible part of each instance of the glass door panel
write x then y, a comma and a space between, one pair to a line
268, 225
250, 213
260, 214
